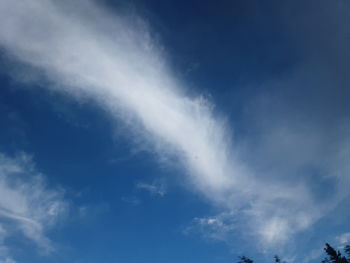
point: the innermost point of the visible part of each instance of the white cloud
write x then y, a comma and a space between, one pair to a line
155, 188
128, 77
220, 227
4, 253
343, 239
91, 54
27, 206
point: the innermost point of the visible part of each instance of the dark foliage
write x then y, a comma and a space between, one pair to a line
347, 251
333, 256
245, 260
277, 259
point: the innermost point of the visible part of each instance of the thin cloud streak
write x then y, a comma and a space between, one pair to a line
91, 54
154, 188
27, 206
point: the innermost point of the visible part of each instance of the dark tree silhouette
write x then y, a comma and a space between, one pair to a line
333, 255
277, 259
347, 251
245, 260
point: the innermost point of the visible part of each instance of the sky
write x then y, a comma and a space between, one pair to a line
173, 131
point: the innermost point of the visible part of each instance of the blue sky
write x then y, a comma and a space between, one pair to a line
173, 131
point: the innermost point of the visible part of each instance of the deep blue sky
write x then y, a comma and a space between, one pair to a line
276, 72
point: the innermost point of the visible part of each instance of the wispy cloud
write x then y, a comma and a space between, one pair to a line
89, 53
133, 200
343, 239
155, 188
221, 227
27, 206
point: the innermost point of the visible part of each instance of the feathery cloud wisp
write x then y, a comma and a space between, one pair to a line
155, 188
90, 53
27, 206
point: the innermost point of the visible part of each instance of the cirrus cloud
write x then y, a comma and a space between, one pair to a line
91, 54
27, 206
